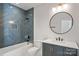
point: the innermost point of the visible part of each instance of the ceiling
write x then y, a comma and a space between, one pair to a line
26, 6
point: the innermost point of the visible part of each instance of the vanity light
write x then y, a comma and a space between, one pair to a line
54, 9
65, 6
11, 22
60, 7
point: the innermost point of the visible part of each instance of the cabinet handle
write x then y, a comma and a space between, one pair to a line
51, 50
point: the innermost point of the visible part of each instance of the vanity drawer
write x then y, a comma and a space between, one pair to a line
70, 51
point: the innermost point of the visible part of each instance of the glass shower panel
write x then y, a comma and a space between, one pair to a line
17, 25
11, 18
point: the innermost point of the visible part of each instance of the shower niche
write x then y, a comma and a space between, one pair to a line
16, 25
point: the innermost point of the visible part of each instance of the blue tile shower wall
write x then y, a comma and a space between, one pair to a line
27, 26
17, 25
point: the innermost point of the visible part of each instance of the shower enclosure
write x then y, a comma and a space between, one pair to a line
16, 25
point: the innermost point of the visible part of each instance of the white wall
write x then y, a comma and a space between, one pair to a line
42, 15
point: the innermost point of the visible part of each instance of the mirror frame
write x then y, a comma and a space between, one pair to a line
53, 19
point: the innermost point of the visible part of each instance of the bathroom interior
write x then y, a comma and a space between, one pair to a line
39, 29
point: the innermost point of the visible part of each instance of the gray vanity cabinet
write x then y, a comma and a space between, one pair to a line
55, 50
52, 50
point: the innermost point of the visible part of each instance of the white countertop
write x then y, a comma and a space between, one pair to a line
62, 43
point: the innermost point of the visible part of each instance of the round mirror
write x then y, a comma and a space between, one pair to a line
61, 22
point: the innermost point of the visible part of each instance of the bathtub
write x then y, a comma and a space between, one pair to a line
22, 49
